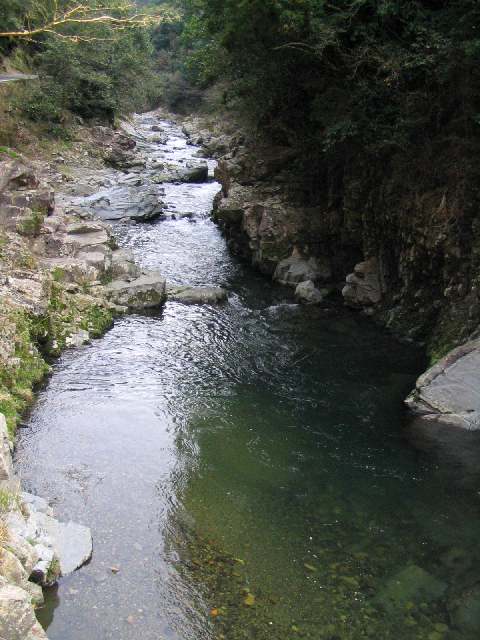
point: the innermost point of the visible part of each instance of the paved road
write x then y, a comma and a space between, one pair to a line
13, 77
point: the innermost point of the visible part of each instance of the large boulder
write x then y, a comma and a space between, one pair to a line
145, 292
307, 293
192, 172
141, 204
449, 392
296, 269
195, 172
363, 287
15, 174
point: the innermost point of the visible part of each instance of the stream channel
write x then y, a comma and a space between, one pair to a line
244, 468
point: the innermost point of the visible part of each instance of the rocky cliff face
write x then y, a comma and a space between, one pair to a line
397, 236
400, 236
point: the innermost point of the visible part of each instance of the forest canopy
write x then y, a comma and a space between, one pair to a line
95, 59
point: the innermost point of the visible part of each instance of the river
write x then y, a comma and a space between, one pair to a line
244, 467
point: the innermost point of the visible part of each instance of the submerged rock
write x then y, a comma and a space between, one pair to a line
449, 392
410, 584
197, 295
72, 542
465, 612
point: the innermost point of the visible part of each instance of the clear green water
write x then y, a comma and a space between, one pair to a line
246, 468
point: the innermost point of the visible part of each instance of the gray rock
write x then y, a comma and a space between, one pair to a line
141, 204
17, 618
296, 269
191, 173
11, 569
449, 392
72, 543
409, 585
145, 292
197, 295
308, 293
195, 172
363, 288
78, 339
23, 551
123, 265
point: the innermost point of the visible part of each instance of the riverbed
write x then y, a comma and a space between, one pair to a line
243, 467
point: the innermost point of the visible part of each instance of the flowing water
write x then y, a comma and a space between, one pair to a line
243, 467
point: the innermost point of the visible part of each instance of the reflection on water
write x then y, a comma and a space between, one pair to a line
245, 469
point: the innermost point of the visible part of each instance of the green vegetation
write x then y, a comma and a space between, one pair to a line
53, 572
9, 152
374, 74
38, 338
92, 70
26, 369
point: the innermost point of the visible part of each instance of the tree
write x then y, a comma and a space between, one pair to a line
63, 18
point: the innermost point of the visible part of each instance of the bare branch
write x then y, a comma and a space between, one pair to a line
85, 15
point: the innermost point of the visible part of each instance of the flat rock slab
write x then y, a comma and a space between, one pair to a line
197, 295
72, 543
449, 392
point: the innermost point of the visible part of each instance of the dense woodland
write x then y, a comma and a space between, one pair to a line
377, 73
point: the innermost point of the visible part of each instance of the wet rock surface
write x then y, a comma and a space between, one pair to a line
449, 392
363, 288
197, 295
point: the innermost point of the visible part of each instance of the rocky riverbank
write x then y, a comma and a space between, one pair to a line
63, 279
418, 276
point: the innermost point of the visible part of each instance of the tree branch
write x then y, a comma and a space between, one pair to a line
82, 14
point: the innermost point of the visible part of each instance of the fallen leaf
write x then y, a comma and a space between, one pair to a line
249, 600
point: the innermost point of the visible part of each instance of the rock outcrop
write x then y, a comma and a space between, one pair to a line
35, 549
449, 392
406, 255
197, 295
363, 288
145, 292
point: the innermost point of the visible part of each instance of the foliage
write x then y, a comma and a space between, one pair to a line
375, 73
95, 70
